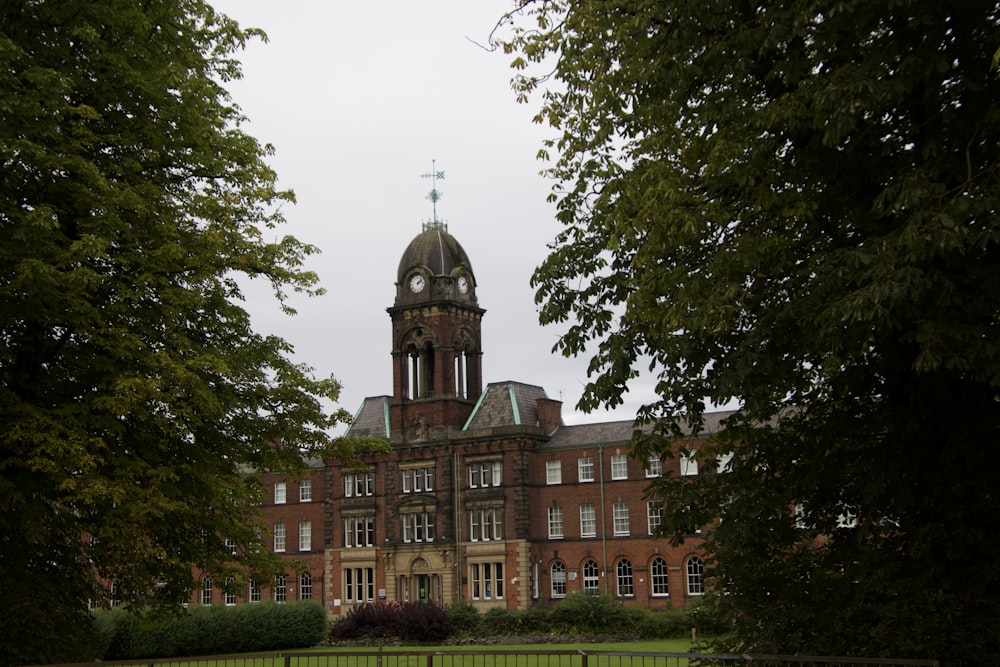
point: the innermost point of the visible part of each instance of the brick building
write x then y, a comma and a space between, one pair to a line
486, 496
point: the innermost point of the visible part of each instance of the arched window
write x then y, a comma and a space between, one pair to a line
461, 371
305, 586
206, 590
280, 588
658, 577
558, 579
623, 578
591, 576
695, 583
230, 592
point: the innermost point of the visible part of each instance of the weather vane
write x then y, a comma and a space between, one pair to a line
434, 195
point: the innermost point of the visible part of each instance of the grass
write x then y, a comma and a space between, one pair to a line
312, 657
647, 646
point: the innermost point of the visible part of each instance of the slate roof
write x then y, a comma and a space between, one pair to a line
510, 403
372, 419
506, 404
606, 433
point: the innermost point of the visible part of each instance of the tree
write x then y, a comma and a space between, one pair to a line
793, 206
135, 397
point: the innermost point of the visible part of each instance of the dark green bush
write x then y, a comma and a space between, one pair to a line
586, 612
499, 621
706, 614
211, 630
411, 621
537, 620
663, 624
464, 619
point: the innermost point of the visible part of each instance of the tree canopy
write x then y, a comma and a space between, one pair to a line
134, 395
793, 206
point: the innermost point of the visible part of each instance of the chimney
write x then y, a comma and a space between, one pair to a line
549, 414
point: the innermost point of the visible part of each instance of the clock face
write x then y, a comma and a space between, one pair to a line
463, 284
417, 283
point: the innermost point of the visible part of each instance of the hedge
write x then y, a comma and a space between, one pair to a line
208, 630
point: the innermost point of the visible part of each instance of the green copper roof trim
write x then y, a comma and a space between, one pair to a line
513, 404
479, 402
385, 415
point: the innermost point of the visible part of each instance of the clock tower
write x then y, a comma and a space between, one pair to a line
436, 334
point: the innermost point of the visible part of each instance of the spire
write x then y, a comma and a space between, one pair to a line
434, 196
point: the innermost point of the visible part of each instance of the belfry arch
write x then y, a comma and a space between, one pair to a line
419, 373
466, 365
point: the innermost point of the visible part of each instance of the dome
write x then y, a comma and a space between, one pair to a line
435, 250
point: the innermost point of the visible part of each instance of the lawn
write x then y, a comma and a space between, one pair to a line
647, 646
489, 655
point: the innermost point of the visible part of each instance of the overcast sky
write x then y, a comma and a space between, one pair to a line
358, 98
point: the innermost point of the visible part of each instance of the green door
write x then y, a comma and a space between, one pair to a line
423, 588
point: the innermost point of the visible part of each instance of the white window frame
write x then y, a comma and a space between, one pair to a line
591, 575
588, 517
305, 586
279, 537
689, 464
229, 595
305, 535
654, 515
620, 516
486, 580
206, 590
359, 532
486, 524
695, 579
359, 483
280, 588
558, 575
418, 480
280, 493
624, 579
305, 491
418, 526
654, 466
553, 472
556, 525
359, 585
485, 474
585, 469
253, 591
659, 578
619, 466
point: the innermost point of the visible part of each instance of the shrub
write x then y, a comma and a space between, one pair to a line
662, 624
463, 618
404, 620
587, 612
207, 630
499, 621
707, 616
537, 619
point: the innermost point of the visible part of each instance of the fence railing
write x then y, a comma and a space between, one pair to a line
464, 657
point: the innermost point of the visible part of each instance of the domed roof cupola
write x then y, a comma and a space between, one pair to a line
434, 267
434, 250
